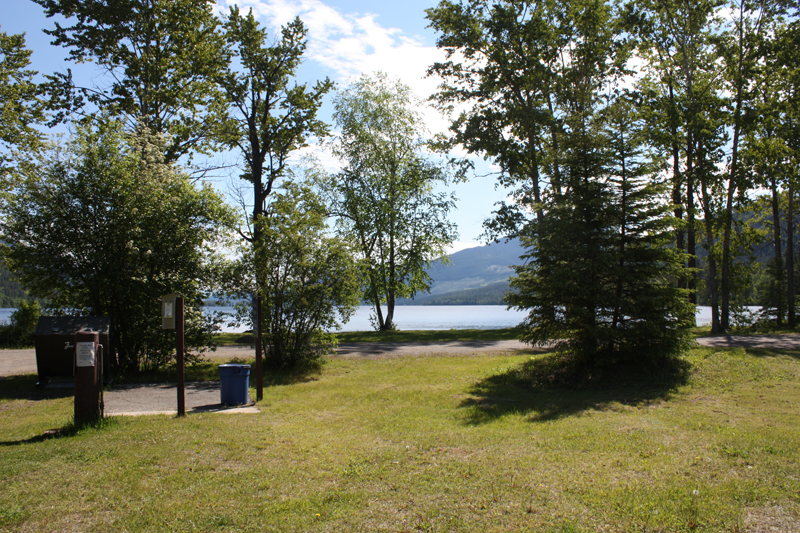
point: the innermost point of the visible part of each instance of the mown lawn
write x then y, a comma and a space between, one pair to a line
503, 334
425, 444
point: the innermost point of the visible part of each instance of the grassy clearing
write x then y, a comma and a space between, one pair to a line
229, 339
426, 444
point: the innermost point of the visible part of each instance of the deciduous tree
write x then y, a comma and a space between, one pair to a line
104, 226
384, 198
22, 107
161, 58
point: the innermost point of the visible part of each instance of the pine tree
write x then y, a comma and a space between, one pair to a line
600, 279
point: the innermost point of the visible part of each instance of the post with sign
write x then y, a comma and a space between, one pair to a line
87, 377
259, 346
172, 318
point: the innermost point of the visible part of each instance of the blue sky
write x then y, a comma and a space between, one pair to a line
346, 38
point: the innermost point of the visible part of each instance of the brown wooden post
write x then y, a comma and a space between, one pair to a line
87, 371
179, 347
259, 346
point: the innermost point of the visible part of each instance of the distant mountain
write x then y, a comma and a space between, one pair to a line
475, 276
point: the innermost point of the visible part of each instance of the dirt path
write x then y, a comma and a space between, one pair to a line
14, 362
777, 342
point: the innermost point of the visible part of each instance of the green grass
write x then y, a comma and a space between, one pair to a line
233, 339
229, 339
426, 444
429, 336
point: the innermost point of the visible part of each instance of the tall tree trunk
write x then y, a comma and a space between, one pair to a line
733, 178
677, 178
708, 219
790, 253
778, 266
727, 261
390, 292
690, 230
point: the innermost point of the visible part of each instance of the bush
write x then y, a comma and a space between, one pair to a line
21, 330
103, 226
308, 280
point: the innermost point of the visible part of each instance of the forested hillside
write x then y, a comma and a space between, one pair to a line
475, 276
11, 292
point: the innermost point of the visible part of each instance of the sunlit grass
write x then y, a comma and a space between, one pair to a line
425, 444
229, 339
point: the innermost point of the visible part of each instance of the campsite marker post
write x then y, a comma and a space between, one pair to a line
172, 318
259, 346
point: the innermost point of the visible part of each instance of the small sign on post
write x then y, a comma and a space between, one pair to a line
84, 354
172, 318
88, 380
168, 311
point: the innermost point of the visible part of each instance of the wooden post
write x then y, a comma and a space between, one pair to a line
259, 346
179, 346
87, 406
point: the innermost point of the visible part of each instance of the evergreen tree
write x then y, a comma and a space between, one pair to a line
600, 278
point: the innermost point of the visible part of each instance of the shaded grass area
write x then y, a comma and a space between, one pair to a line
553, 387
430, 444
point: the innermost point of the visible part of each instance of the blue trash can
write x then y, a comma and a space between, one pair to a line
234, 384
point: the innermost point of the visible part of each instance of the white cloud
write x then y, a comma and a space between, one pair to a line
345, 45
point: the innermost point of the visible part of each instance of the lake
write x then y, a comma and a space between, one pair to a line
433, 317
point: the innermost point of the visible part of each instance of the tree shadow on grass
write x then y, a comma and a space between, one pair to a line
70, 430
554, 386
23, 387
772, 352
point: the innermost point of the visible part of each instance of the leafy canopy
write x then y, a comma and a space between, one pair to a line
103, 226
384, 199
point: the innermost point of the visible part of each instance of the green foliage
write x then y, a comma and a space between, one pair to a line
103, 226
384, 197
161, 56
309, 280
267, 118
21, 105
20, 331
11, 291
600, 276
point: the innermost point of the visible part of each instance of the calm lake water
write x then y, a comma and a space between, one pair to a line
432, 317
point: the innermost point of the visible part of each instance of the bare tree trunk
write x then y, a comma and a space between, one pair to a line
711, 281
778, 266
690, 230
790, 253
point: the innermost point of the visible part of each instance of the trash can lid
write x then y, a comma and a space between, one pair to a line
232, 365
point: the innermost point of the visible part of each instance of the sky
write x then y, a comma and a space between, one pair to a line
345, 39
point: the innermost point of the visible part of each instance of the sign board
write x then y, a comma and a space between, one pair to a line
84, 354
168, 311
